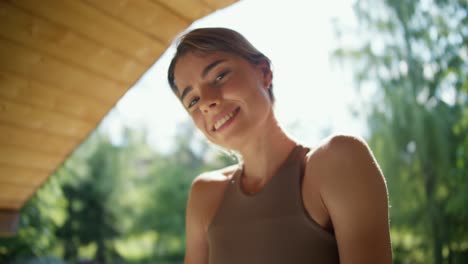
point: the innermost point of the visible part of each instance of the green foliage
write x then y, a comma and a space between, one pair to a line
414, 54
167, 188
38, 219
112, 203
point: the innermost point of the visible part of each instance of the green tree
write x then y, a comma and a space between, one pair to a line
108, 192
168, 185
414, 55
35, 232
91, 181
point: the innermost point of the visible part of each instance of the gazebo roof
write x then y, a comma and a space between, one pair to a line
64, 65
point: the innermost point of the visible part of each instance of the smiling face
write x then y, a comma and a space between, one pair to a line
225, 95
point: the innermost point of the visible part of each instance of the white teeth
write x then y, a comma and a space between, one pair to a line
223, 120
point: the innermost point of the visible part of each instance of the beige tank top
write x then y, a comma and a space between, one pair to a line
271, 226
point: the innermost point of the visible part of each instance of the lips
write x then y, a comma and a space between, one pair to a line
223, 119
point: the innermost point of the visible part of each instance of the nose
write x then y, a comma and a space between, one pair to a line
208, 102
208, 105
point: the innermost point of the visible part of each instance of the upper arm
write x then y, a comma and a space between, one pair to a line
204, 198
355, 194
197, 244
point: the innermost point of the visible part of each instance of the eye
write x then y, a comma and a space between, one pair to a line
193, 102
221, 76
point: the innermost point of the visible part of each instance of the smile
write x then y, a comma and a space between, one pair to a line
223, 121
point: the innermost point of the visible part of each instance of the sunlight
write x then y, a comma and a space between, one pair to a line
313, 97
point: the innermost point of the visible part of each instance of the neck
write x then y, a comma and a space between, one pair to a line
264, 153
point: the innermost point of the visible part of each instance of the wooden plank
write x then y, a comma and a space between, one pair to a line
190, 10
35, 140
22, 176
12, 204
15, 156
38, 66
144, 15
15, 192
39, 34
42, 120
88, 21
9, 222
44, 96
218, 4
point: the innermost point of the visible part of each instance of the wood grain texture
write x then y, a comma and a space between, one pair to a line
9, 203
51, 122
18, 89
15, 192
217, 4
37, 140
21, 176
189, 10
63, 65
146, 16
34, 65
58, 41
87, 20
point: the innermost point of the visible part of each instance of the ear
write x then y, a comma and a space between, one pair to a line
266, 73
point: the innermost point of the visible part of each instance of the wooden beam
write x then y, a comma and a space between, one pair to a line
145, 16
190, 10
33, 139
58, 41
9, 222
16, 192
10, 204
86, 20
42, 67
15, 88
22, 176
19, 157
218, 4
43, 120
18, 184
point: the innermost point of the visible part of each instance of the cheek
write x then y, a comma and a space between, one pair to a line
198, 120
196, 117
239, 86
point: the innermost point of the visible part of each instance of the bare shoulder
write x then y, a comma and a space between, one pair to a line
343, 161
211, 179
339, 144
327, 171
354, 193
210, 183
338, 151
206, 193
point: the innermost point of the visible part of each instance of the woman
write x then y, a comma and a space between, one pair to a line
283, 202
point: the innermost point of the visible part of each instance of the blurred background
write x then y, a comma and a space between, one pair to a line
391, 71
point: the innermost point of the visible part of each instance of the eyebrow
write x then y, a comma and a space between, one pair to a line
210, 67
185, 92
203, 75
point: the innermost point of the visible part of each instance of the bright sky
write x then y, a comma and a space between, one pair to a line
313, 95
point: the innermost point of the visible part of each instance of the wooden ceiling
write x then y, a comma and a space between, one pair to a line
63, 65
